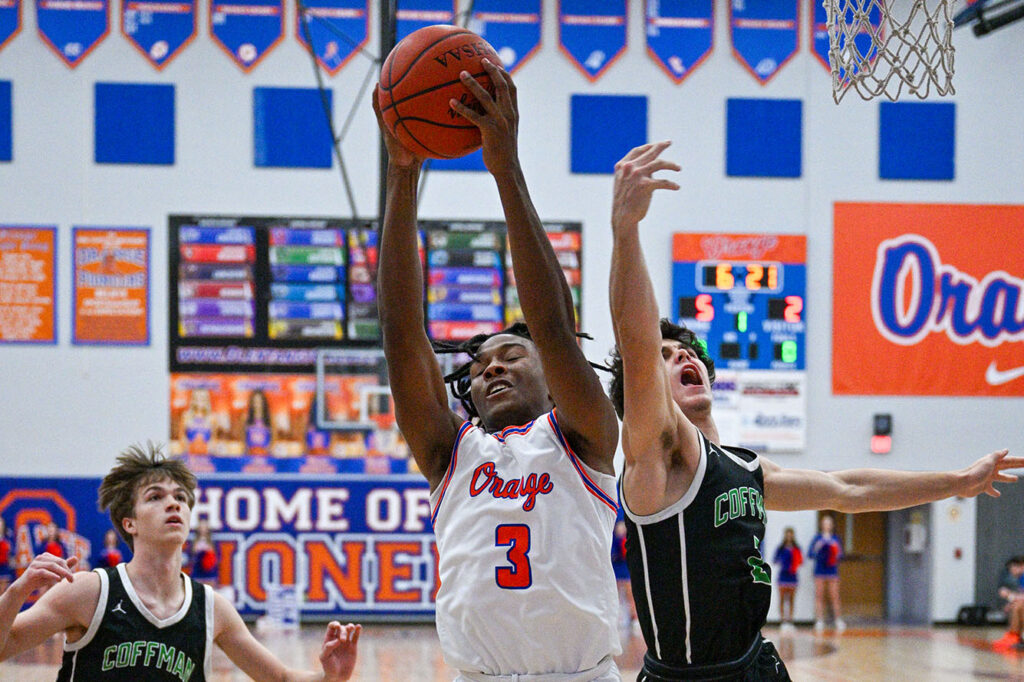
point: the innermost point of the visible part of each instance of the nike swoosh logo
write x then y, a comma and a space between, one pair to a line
997, 377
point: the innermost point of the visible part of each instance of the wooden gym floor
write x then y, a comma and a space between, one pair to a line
410, 653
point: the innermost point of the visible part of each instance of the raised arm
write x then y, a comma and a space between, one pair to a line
337, 653
64, 606
861, 490
653, 427
421, 400
584, 412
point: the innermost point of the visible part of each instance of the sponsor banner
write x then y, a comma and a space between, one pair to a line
158, 29
412, 15
592, 33
110, 286
247, 30
765, 411
10, 20
358, 545
923, 286
765, 34
72, 28
512, 27
337, 28
28, 284
680, 34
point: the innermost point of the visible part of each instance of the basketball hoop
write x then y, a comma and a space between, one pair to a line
880, 46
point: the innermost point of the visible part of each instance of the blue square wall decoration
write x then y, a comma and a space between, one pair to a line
5, 121
764, 138
604, 128
917, 141
134, 123
290, 128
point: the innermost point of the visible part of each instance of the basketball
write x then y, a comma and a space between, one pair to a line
420, 76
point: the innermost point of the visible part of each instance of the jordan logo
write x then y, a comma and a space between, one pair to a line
118, 609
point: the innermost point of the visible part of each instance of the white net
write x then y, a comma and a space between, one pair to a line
878, 47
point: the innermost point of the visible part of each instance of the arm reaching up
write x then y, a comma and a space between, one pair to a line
421, 399
584, 413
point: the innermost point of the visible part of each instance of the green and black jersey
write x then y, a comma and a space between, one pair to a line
125, 641
700, 583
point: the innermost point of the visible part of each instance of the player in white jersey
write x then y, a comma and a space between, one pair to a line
523, 498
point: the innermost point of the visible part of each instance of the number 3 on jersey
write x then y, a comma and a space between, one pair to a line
516, 537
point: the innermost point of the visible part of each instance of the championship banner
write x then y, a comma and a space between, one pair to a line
592, 33
413, 15
28, 284
743, 295
159, 30
247, 30
338, 29
924, 286
765, 34
72, 29
680, 34
110, 286
512, 27
352, 545
10, 20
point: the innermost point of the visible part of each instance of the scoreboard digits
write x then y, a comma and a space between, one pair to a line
749, 311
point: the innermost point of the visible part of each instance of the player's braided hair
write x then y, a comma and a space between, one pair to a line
459, 381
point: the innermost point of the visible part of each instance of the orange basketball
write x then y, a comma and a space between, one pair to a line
418, 79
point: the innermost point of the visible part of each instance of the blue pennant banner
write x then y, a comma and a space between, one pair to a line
680, 34
10, 20
765, 35
413, 15
247, 29
819, 33
592, 33
73, 28
338, 29
512, 27
159, 30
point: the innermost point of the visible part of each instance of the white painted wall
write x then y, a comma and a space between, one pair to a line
69, 410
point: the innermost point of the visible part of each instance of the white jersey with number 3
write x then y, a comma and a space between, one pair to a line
524, 531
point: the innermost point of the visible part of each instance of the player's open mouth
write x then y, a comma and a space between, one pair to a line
497, 387
689, 377
175, 520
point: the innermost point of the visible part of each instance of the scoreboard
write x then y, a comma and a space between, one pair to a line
744, 296
746, 303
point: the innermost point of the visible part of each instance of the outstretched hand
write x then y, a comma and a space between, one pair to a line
635, 182
981, 476
499, 122
398, 155
45, 571
338, 653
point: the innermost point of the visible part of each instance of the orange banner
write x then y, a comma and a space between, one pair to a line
928, 299
28, 284
111, 286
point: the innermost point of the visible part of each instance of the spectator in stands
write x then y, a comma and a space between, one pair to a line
627, 609
1011, 593
788, 557
204, 554
6, 555
827, 551
110, 555
52, 543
